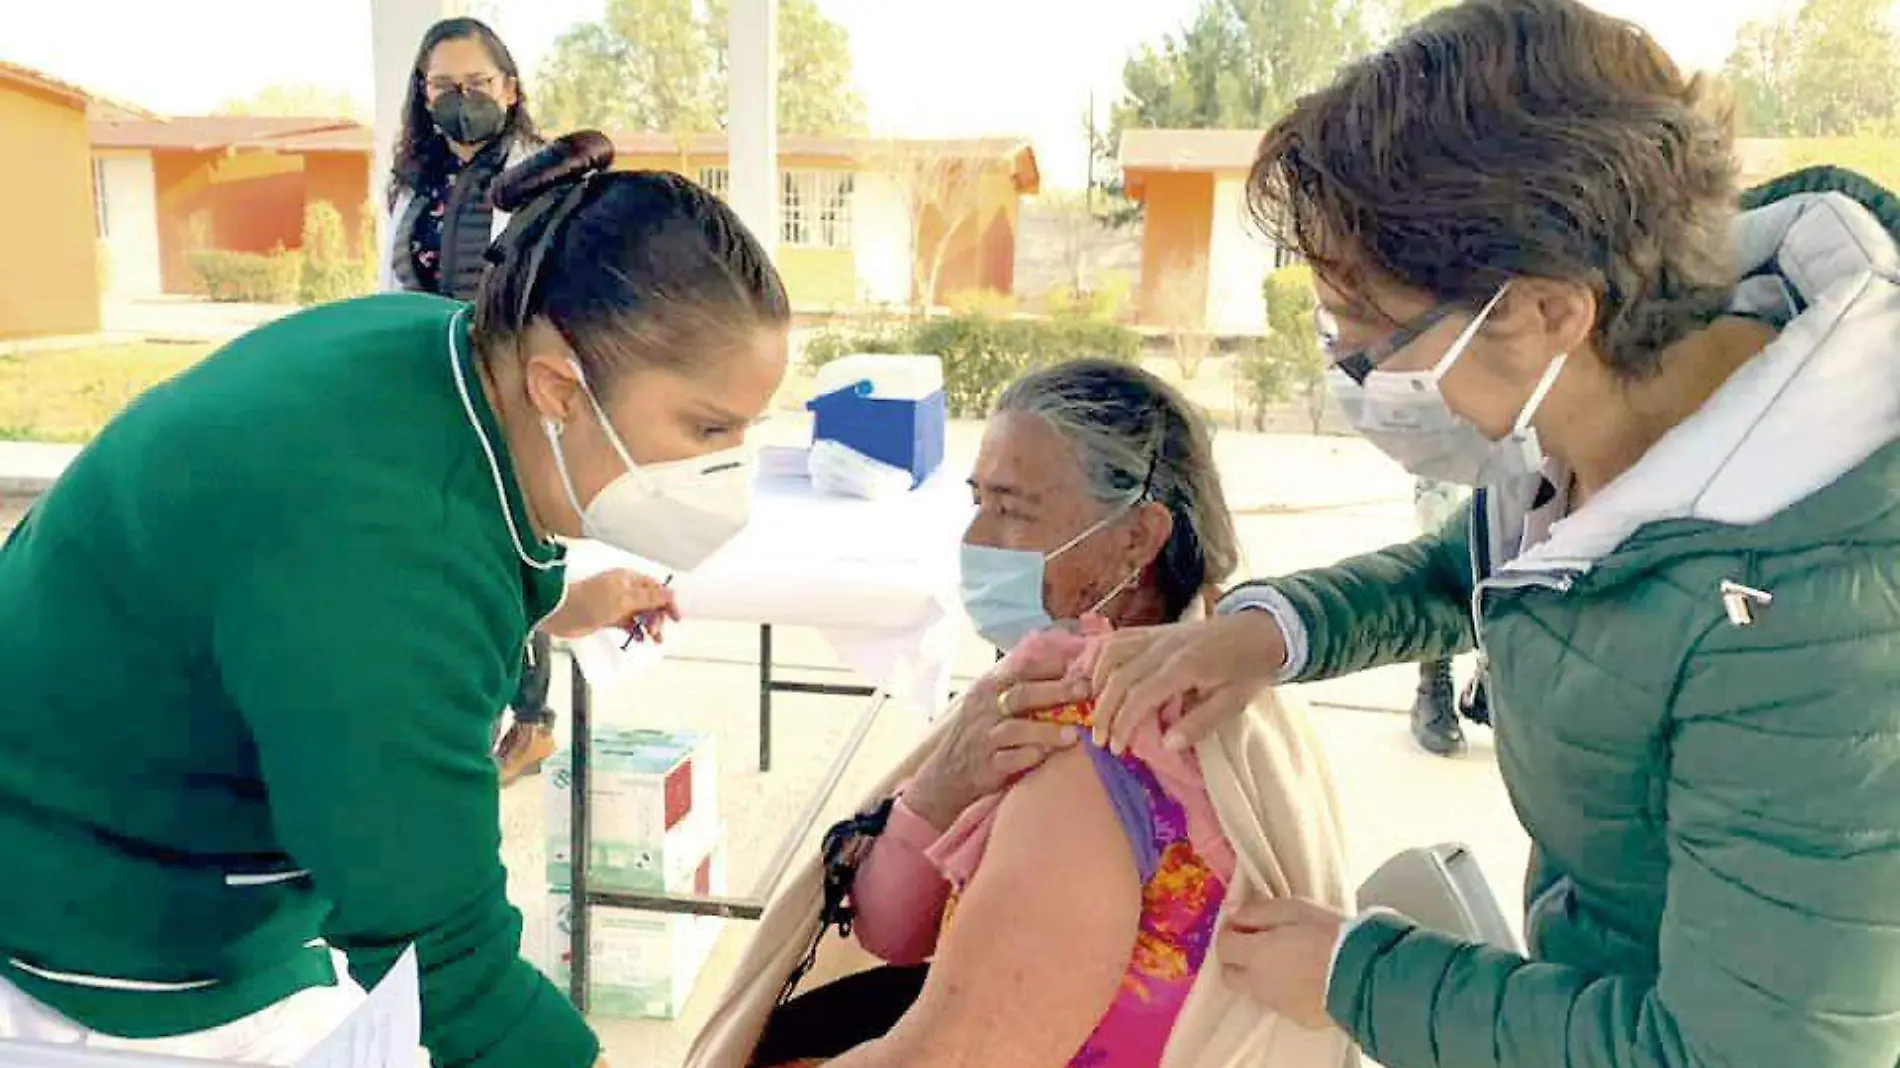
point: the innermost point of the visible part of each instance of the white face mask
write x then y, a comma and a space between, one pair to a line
1404, 414
676, 513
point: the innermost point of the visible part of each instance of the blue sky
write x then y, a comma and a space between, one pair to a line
993, 67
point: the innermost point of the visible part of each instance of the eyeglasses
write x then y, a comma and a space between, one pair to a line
475, 83
1358, 364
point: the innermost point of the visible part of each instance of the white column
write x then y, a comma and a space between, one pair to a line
396, 29
1239, 258
752, 117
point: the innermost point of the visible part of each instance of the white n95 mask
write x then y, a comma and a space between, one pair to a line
1404, 415
676, 513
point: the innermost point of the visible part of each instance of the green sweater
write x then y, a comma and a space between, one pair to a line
1713, 800
255, 641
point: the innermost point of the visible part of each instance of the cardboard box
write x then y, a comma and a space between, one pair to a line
653, 805
642, 965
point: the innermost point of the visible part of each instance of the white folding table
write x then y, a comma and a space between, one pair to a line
876, 578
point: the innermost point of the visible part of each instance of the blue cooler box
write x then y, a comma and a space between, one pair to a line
890, 408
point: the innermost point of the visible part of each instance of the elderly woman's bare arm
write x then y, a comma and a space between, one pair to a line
899, 894
1040, 939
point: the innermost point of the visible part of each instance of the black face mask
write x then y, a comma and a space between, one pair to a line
468, 117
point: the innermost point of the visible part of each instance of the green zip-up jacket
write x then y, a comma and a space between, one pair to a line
1711, 784
251, 649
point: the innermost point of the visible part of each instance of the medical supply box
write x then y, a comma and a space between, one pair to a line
887, 407
653, 810
640, 965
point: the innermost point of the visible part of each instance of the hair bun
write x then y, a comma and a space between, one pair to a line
564, 162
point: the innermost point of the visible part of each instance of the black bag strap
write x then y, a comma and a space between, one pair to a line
844, 848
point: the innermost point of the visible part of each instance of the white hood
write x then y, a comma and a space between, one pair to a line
1819, 400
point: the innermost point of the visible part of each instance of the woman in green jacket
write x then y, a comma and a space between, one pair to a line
1684, 568
255, 637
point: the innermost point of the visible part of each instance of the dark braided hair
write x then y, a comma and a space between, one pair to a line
632, 268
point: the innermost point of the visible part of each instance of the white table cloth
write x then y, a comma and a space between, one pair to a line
878, 579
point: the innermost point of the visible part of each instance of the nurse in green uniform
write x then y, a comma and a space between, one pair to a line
254, 639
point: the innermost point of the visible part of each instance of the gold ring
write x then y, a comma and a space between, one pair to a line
1002, 700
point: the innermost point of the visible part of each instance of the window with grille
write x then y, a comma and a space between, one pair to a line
717, 180
101, 213
815, 209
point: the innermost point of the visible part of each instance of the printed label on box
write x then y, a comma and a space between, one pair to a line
642, 965
653, 809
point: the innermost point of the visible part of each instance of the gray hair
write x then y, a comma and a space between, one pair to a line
1138, 438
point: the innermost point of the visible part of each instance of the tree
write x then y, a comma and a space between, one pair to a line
815, 95
1106, 193
647, 65
941, 195
1391, 17
660, 65
1761, 73
297, 101
1074, 222
1180, 301
1828, 69
1078, 219
1238, 65
1287, 364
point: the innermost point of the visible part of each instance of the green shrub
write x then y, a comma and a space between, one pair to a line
828, 345
1108, 298
328, 271
248, 277
1093, 337
1287, 364
981, 355
1273, 371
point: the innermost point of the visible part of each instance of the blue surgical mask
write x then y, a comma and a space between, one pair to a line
1002, 588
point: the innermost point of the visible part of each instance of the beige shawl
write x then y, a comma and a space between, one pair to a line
1271, 788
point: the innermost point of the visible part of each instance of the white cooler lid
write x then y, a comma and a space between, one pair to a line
892, 377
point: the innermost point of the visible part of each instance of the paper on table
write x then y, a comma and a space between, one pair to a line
607, 665
385, 1031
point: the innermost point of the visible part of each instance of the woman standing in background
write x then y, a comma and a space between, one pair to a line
465, 121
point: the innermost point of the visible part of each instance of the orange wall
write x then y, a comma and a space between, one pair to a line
341, 179
250, 201
982, 249
49, 277
1176, 238
181, 179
